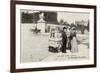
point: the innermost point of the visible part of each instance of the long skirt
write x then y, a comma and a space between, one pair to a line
74, 45
68, 45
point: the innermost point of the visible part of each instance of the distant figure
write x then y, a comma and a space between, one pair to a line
74, 45
64, 40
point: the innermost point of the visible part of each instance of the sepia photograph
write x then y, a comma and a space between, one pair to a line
52, 36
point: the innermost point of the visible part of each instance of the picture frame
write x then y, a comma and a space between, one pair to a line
17, 30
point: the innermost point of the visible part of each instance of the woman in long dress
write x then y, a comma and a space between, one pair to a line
74, 44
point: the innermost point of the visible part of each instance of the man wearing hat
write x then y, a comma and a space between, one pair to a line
64, 40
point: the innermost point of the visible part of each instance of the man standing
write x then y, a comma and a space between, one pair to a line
64, 40
68, 38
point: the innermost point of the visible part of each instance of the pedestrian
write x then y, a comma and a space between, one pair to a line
68, 45
64, 40
74, 44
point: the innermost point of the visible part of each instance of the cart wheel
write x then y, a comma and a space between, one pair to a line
52, 49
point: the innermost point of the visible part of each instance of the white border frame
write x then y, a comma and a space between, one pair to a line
53, 64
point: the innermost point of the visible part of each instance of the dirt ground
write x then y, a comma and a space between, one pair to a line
34, 47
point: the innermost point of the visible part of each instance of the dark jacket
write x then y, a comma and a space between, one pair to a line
64, 37
64, 41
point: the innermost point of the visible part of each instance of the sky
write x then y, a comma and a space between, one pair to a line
71, 17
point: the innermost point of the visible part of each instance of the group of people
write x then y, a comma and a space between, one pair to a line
69, 40
62, 40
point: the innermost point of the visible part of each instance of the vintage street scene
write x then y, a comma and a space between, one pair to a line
49, 36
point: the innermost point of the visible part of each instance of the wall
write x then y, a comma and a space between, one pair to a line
5, 36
